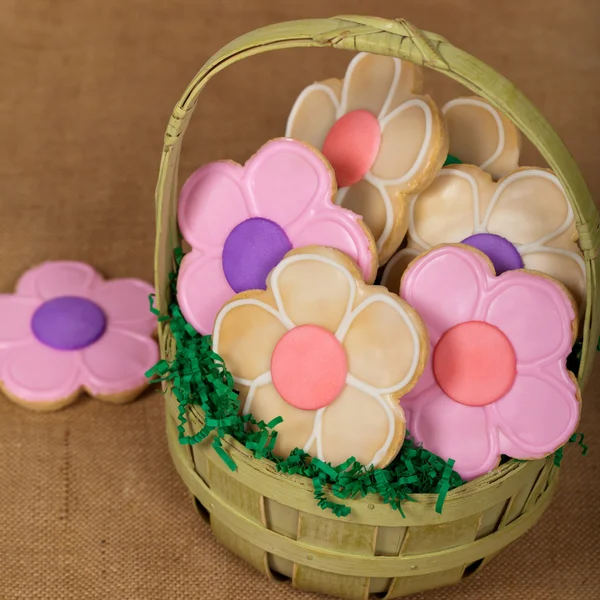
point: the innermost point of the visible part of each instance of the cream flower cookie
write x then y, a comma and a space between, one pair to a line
328, 353
481, 135
382, 140
523, 220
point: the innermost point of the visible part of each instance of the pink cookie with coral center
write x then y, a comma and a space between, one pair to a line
67, 330
497, 381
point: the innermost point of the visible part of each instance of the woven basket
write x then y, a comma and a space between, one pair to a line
272, 520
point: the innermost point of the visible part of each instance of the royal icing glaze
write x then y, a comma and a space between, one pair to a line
66, 330
382, 140
482, 136
497, 381
241, 221
328, 353
524, 219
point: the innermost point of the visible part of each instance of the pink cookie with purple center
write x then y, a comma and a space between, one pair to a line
67, 330
496, 382
242, 220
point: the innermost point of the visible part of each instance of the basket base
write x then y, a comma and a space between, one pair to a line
356, 556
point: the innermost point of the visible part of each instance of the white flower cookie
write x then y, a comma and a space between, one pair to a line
328, 353
382, 140
523, 220
481, 135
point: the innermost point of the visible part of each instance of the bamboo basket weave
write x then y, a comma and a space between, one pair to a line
271, 520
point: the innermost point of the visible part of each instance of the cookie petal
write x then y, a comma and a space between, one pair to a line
383, 343
530, 207
453, 430
342, 231
538, 415
245, 335
566, 266
535, 314
370, 83
202, 290
392, 274
15, 318
314, 289
212, 202
447, 211
117, 362
314, 112
297, 426
366, 200
409, 145
125, 302
362, 425
286, 177
58, 278
482, 136
445, 287
35, 373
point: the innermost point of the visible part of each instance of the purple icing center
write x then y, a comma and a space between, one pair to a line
251, 251
68, 323
502, 253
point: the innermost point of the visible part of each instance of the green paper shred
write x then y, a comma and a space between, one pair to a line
452, 160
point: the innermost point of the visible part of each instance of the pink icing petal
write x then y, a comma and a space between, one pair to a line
453, 430
340, 229
126, 304
445, 287
202, 290
117, 362
534, 313
285, 177
36, 373
211, 204
58, 278
537, 415
15, 318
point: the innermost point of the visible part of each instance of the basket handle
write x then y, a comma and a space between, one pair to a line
402, 40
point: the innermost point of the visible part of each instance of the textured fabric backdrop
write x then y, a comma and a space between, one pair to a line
90, 505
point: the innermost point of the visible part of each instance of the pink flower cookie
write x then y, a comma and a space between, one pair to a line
481, 135
328, 353
496, 382
241, 221
382, 140
523, 220
66, 330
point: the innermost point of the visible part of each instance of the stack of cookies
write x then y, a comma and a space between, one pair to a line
389, 267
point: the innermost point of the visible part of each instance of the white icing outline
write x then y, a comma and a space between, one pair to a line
260, 381
300, 99
426, 142
394, 260
385, 299
235, 304
389, 209
371, 391
301, 258
499, 125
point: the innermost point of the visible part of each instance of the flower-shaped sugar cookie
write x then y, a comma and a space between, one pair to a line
524, 220
481, 135
66, 330
382, 140
496, 382
328, 353
241, 221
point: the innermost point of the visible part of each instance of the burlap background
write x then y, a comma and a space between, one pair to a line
90, 506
